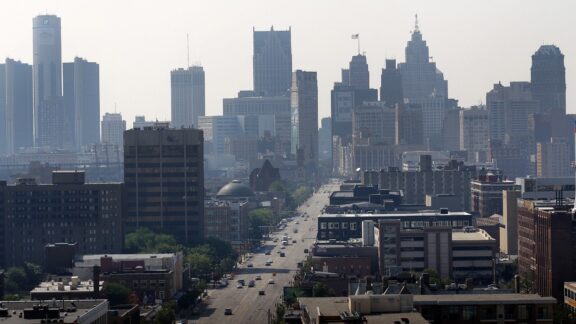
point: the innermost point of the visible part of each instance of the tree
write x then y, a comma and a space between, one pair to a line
301, 194
201, 264
144, 240
166, 314
278, 186
321, 290
116, 293
15, 280
258, 218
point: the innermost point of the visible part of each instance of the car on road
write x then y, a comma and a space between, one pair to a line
268, 263
239, 286
250, 265
294, 241
297, 222
258, 277
261, 293
251, 283
228, 311
271, 282
267, 253
282, 254
283, 247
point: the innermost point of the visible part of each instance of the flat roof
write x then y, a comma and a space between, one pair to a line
52, 287
479, 235
570, 285
425, 213
126, 256
82, 307
482, 299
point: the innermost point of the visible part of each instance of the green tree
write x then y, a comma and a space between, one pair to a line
167, 314
258, 218
15, 280
143, 240
201, 265
321, 290
278, 186
116, 293
301, 194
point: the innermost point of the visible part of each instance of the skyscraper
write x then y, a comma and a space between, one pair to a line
82, 100
272, 62
548, 79
187, 96
391, 84
474, 132
359, 73
49, 113
164, 181
18, 105
304, 102
113, 128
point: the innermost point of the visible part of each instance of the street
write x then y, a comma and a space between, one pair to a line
246, 303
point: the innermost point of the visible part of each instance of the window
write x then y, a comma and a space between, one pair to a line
323, 225
344, 225
352, 226
161, 294
143, 284
135, 284
161, 284
522, 312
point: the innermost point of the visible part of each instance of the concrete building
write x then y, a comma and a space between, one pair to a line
509, 224
50, 119
474, 132
69, 210
553, 158
391, 85
570, 296
325, 140
548, 79
453, 179
217, 129
409, 125
16, 109
545, 188
546, 241
272, 62
113, 127
342, 227
304, 103
486, 194
187, 95
271, 115
82, 100
66, 288
376, 121
90, 311
227, 220
372, 155
437, 247
164, 181
140, 122
359, 75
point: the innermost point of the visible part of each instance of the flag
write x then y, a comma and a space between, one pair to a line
355, 36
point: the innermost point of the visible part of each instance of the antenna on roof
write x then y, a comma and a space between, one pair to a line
187, 51
416, 27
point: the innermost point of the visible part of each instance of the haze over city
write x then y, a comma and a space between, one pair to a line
137, 43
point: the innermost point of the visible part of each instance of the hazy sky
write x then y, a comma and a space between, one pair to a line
137, 42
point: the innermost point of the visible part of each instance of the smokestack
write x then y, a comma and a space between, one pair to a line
96, 280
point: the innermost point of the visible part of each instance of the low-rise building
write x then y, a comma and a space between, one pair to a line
487, 193
93, 311
226, 220
63, 288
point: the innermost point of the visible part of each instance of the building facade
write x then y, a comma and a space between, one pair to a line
113, 127
67, 211
304, 103
553, 158
164, 181
188, 100
474, 132
486, 194
548, 79
272, 62
391, 85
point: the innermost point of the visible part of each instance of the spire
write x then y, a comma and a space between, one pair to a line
416, 27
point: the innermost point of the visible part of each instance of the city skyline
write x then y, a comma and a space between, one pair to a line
483, 49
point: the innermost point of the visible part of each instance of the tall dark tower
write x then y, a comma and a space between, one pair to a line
391, 84
359, 76
548, 77
272, 62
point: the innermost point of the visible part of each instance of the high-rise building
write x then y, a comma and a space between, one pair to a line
359, 75
66, 211
164, 181
409, 124
325, 139
451, 130
304, 102
113, 127
188, 100
375, 120
272, 62
474, 132
17, 103
553, 158
217, 129
49, 114
3, 121
487, 193
548, 79
391, 84
82, 100
421, 79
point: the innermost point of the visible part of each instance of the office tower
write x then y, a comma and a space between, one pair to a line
82, 100
474, 132
271, 114
376, 121
50, 118
272, 62
487, 193
509, 109
3, 122
304, 102
164, 181
113, 128
342, 105
548, 79
391, 84
187, 96
325, 139
217, 129
553, 158
359, 76
451, 130
409, 124
420, 77
18, 105
67, 211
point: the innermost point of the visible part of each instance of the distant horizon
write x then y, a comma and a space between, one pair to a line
136, 58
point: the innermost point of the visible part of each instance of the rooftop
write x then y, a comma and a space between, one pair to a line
479, 235
235, 188
397, 215
64, 311
479, 299
62, 286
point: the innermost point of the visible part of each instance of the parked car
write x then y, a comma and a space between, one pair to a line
228, 311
